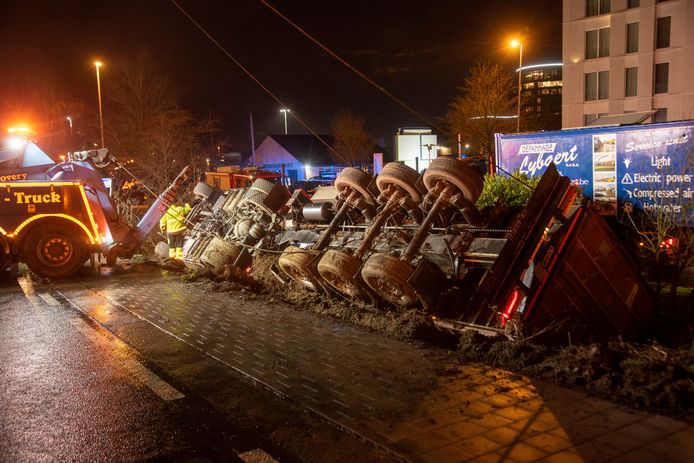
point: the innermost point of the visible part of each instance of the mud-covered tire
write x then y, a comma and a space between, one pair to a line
54, 249
338, 269
294, 262
161, 250
357, 180
466, 179
220, 253
387, 276
402, 176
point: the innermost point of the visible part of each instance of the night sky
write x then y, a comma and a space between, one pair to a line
418, 50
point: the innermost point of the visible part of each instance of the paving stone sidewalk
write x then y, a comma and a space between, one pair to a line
405, 397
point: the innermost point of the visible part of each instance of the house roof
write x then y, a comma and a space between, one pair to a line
308, 149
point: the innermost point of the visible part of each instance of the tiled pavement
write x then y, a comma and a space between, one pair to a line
404, 397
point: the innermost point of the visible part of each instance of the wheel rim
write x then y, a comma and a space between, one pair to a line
293, 262
383, 274
340, 277
55, 250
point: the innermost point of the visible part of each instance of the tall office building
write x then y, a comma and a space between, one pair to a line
627, 56
541, 101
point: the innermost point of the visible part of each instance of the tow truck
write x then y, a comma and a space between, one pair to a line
54, 216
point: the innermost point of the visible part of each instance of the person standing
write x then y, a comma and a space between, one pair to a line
173, 224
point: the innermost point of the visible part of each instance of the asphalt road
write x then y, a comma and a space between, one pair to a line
71, 390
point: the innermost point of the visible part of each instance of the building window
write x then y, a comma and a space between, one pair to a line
597, 85
660, 115
632, 37
630, 78
633, 4
662, 34
588, 118
596, 7
662, 71
598, 43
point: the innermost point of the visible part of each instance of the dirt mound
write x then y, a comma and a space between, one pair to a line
649, 377
224, 279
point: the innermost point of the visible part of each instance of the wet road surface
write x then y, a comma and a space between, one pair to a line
257, 374
72, 391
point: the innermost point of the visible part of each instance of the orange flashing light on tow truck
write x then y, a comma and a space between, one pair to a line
62, 214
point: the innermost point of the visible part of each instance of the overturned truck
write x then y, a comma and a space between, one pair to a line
402, 240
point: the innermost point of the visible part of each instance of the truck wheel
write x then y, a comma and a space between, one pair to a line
220, 253
294, 262
54, 250
387, 276
402, 176
338, 268
466, 179
357, 180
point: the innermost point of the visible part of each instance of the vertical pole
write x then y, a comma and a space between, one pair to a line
101, 114
250, 115
520, 72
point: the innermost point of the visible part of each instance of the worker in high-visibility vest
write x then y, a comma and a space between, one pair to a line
173, 224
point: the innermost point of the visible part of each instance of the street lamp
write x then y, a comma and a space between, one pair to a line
285, 111
519, 44
97, 65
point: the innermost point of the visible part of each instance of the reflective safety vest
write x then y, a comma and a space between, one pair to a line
174, 219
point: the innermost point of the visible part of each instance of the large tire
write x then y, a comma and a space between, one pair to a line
338, 269
294, 262
220, 253
466, 179
357, 180
387, 276
402, 176
54, 249
262, 185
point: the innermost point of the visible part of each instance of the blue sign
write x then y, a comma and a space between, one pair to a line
646, 166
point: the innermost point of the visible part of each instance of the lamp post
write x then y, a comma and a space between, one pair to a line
519, 44
285, 111
97, 65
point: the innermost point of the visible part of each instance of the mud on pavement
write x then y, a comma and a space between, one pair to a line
646, 376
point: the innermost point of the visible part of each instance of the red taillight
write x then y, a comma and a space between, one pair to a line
248, 269
510, 307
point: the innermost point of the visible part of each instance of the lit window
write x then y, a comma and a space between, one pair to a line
550, 83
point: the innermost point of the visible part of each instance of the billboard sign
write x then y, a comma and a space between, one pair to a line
646, 166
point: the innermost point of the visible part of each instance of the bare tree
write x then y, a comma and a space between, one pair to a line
487, 94
146, 127
352, 141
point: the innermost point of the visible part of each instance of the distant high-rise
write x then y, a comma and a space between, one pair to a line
541, 96
624, 56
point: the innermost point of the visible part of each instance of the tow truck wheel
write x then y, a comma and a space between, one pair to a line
357, 180
339, 268
387, 276
294, 262
467, 180
402, 176
54, 250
